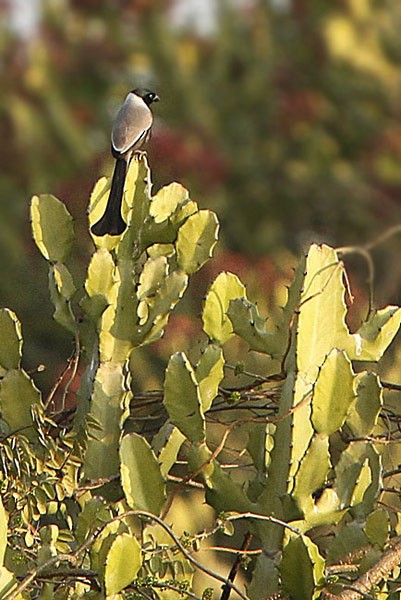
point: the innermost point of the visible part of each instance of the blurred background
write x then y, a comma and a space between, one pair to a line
282, 116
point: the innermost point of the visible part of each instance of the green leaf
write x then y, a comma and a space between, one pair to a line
141, 478
64, 281
62, 289
11, 340
333, 393
7, 583
52, 227
167, 250
165, 562
99, 284
169, 452
100, 279
167, 200
160, 307
185, 210
362, 483
298, 438
111, 347
374, 336
153, 274
313, 471
18, 394
358, 475
3, 533
251, 326
196, 239
256, 445
365, 410
95, 513
209, 373
377, 527
123, 562
223, 492
301, 568
348, 539
265, 578
125, 302
182, 398
288, 322
216, 323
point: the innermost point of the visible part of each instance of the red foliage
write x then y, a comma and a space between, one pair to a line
301, 106
192, 156
181, 334
263, 271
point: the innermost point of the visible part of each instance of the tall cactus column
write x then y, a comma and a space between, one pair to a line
147, 268
133, 282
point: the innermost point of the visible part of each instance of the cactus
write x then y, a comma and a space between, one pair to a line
209, 373
120, 573
133, 283
302, 568
18, 393
321, 396
315, 465
182, 398
8, 581
141, 478
216, 322
335, 380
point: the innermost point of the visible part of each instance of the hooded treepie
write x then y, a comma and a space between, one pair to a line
131, 129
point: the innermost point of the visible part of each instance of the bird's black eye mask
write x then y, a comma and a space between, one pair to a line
151, 97
147, 96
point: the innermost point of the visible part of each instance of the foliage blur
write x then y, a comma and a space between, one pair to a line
285, 119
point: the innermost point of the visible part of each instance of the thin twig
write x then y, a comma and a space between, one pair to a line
391, 386
73, 557
235, 568
231, 550
169, 586
72, 360
181, 547
383, 237
191, 476
258, 517
369, 580
364, 252
276, 377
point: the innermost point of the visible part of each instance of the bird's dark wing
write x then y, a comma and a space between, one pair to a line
132, 125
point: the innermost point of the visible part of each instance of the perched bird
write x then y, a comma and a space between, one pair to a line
131, 129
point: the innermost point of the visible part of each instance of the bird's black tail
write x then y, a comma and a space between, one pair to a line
112, 221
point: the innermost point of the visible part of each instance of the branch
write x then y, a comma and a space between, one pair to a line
164, 585
191, 476
258, 517
73, 557
365, 584
391, 386
235, 568
181, 547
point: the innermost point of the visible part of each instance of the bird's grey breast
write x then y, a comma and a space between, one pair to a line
131, 125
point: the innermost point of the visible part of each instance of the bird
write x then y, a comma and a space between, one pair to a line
131, 129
